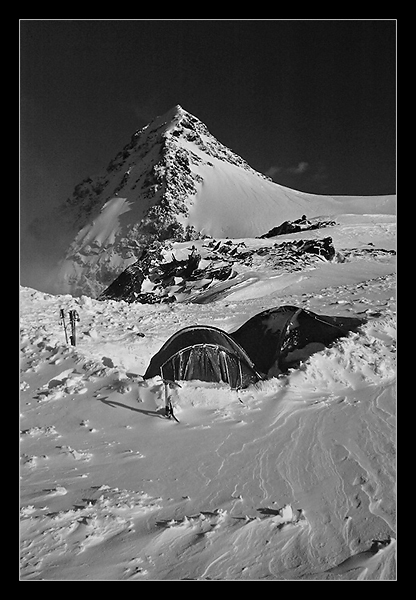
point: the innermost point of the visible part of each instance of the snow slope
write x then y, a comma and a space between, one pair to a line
174, 180
291, 479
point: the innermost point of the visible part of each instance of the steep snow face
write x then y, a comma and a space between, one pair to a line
104, 228
174, 180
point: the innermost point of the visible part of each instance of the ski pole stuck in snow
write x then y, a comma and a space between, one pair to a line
62, 314
73, 318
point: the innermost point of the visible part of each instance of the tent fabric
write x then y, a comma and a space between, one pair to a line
204, 353
269, 343
209, 362
279, 338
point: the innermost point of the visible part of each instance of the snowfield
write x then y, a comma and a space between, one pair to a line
290, 479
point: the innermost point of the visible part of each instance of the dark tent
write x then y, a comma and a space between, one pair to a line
267, 344
280, 338
204, 353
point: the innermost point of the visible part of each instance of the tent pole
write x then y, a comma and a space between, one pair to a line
167, 399
168, 403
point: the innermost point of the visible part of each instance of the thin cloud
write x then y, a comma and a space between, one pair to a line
309, 177
273, 170
299, 169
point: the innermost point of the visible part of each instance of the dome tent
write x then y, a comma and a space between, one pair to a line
280, 338
204, 353
269, 343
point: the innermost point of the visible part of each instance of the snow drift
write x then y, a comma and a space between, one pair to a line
292, 478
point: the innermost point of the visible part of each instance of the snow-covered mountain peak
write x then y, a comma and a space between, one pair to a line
178, 127
175, 181
163, 124
175, 114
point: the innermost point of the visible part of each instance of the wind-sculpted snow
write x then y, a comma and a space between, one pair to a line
101, 515
363, 358
290, 479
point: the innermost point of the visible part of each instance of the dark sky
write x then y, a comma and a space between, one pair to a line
311, 103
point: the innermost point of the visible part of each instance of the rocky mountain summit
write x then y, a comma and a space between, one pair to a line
173, 181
